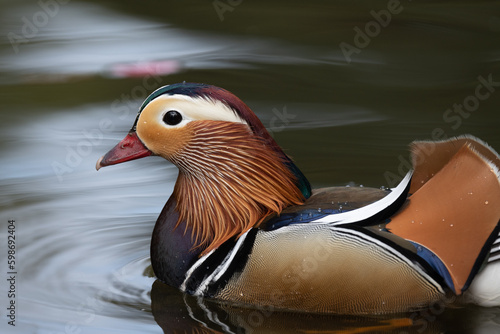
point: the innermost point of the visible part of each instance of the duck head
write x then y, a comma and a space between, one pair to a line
232, 174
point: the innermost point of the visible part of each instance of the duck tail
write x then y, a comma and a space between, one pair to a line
454, 212
485, 288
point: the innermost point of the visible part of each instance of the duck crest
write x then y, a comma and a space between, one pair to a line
229, 181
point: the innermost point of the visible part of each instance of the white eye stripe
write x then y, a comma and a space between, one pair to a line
197, 108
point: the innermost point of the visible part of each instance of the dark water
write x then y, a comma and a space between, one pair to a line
72, 74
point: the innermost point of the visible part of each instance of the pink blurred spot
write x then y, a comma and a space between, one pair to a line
142, 69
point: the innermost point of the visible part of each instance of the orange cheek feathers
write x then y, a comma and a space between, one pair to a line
163, 141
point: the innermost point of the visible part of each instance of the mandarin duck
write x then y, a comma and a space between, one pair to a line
243, 225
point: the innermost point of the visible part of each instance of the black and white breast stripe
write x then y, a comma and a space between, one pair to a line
212, 271
375, 212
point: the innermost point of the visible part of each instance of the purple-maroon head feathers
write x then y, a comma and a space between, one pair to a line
210, 92
214, 93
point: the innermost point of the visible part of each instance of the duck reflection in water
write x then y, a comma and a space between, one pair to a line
176, 312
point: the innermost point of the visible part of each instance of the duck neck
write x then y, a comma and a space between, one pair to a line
229, 180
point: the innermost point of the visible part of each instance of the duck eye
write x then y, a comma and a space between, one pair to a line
172, 117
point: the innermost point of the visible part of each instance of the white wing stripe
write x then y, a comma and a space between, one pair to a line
369, 210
